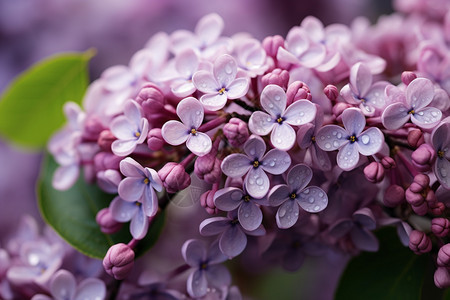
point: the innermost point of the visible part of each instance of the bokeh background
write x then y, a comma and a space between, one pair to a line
33, 29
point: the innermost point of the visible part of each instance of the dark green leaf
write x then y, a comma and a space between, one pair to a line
394, 272
31, 107
72, 214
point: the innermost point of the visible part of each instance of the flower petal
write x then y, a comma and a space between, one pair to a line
364, 239
261, 123
238, 88
225, 69
442, 171
150, 202
376, 96
133, 113
300, 112
233, 241
131, 168
209, 28
190, 112
395, 116
250, 215
331, 137
278, 194
441, 136
427, 117
276, 162
186, 63
340, 228
354, 121
255, 147
370, 141
204, 82
182, 88
139, 225
121, 210
63, 285
299, 177
123, 147
155, 181
283, 136
304, 135
117, 78
320, 158
200, 143
175, 133
419, 93
236, 165
122, 129
273, 100
287, 214
214, 101
194, 252
314, 56
313, 199
360, 79
214, 226
218, 276
365, 218
197, 284
257, 183
131, 188
65, 177
348, 157
228, 199
215, 256
91, 288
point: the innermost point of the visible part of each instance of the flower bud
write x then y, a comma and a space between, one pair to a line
151, 100
331, 92
443, 259
388, 162
105, 139
119, 261
236, 132
419, 242
207, 167
442, 278
271, 45
434, 207
174, 177
408, 76
339, 108
374, 172
394, 196
297, 90
106, 161
155, 140
423, 157
207, 201
92, 128
440, 227
415, 138
278, 77
106, 221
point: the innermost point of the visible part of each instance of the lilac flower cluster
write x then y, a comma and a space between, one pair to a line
306, 143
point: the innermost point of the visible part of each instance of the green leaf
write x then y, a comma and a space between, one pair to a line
31, 107
394, 272
72, 214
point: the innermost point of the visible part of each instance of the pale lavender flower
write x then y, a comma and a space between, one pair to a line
251, 57
140, 185
363, 92
186, 64
412, 105
124, 211
221, 84
249, 213
255, 164
191, 113
434, 62
130, 129
351, 140
440, 139
288, 197
233, 237
207, 271
64, 286
279, 118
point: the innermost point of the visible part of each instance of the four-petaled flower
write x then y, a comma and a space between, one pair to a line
441, 143
255, 164
350, 141
294, 194
279, 118
191, 113
222, 84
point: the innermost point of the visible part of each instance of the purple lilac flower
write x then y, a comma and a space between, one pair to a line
186, 64
350, 140
139, 185
207, 271
251, 57
279, 118
441, 143
363, 92
249, 213
64, 286
412, 105
288, 197
191, 113
221, 84
125, 211
233, 237
434, 62
255, 164
131, 129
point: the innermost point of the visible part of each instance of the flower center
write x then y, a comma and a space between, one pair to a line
352, 138
234, 221
138, 204
440, 154
363, 100
280, 120
313, 139
255, 163
293, 196
146, 181
193, 131
203, 266
246, 198
221, 91
411, 112
137, 134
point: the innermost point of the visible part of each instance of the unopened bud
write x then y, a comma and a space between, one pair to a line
119, 261
419, 242
374, 172
440, 227
106, 221
174, 177
278, 77
408, 76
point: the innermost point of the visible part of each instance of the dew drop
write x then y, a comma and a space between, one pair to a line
246, 215
306, 191
228, 69
420, 113
339, 135
282, 212
270, 105
279, 141
316, 208
296, 214
335, 144
252, 152
272, 164
311, 200
320, 194
277, 98
259, 181
334, 132
434, 114
198, 113
236, 196
269, 119
301, 114
203, 85
328, 145
365, 139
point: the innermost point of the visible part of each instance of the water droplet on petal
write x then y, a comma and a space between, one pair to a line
320, 194
272, 164
228, 69
311, 200
270, 105
327, 145
316, 208
301, 114
420, 113
277, 98
339, 135
246, 215
434, 114
306, 191
365, 139
282, 212
259, 181
335, 144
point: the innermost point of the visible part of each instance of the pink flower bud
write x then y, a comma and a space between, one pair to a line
174, 177
106, 221
151, 100
155, 140
394, 196
339, 108
421, 182
278, 77
443, 259
207, 167
92, 128
374, 172
331, 92
415, 138
442, 278
388, 162
434, 207
119, 261
440, 227
106, 160
236, 132
419, 242
271, 45
207, 201
297, 90
408, 76
105, 140
423, 157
